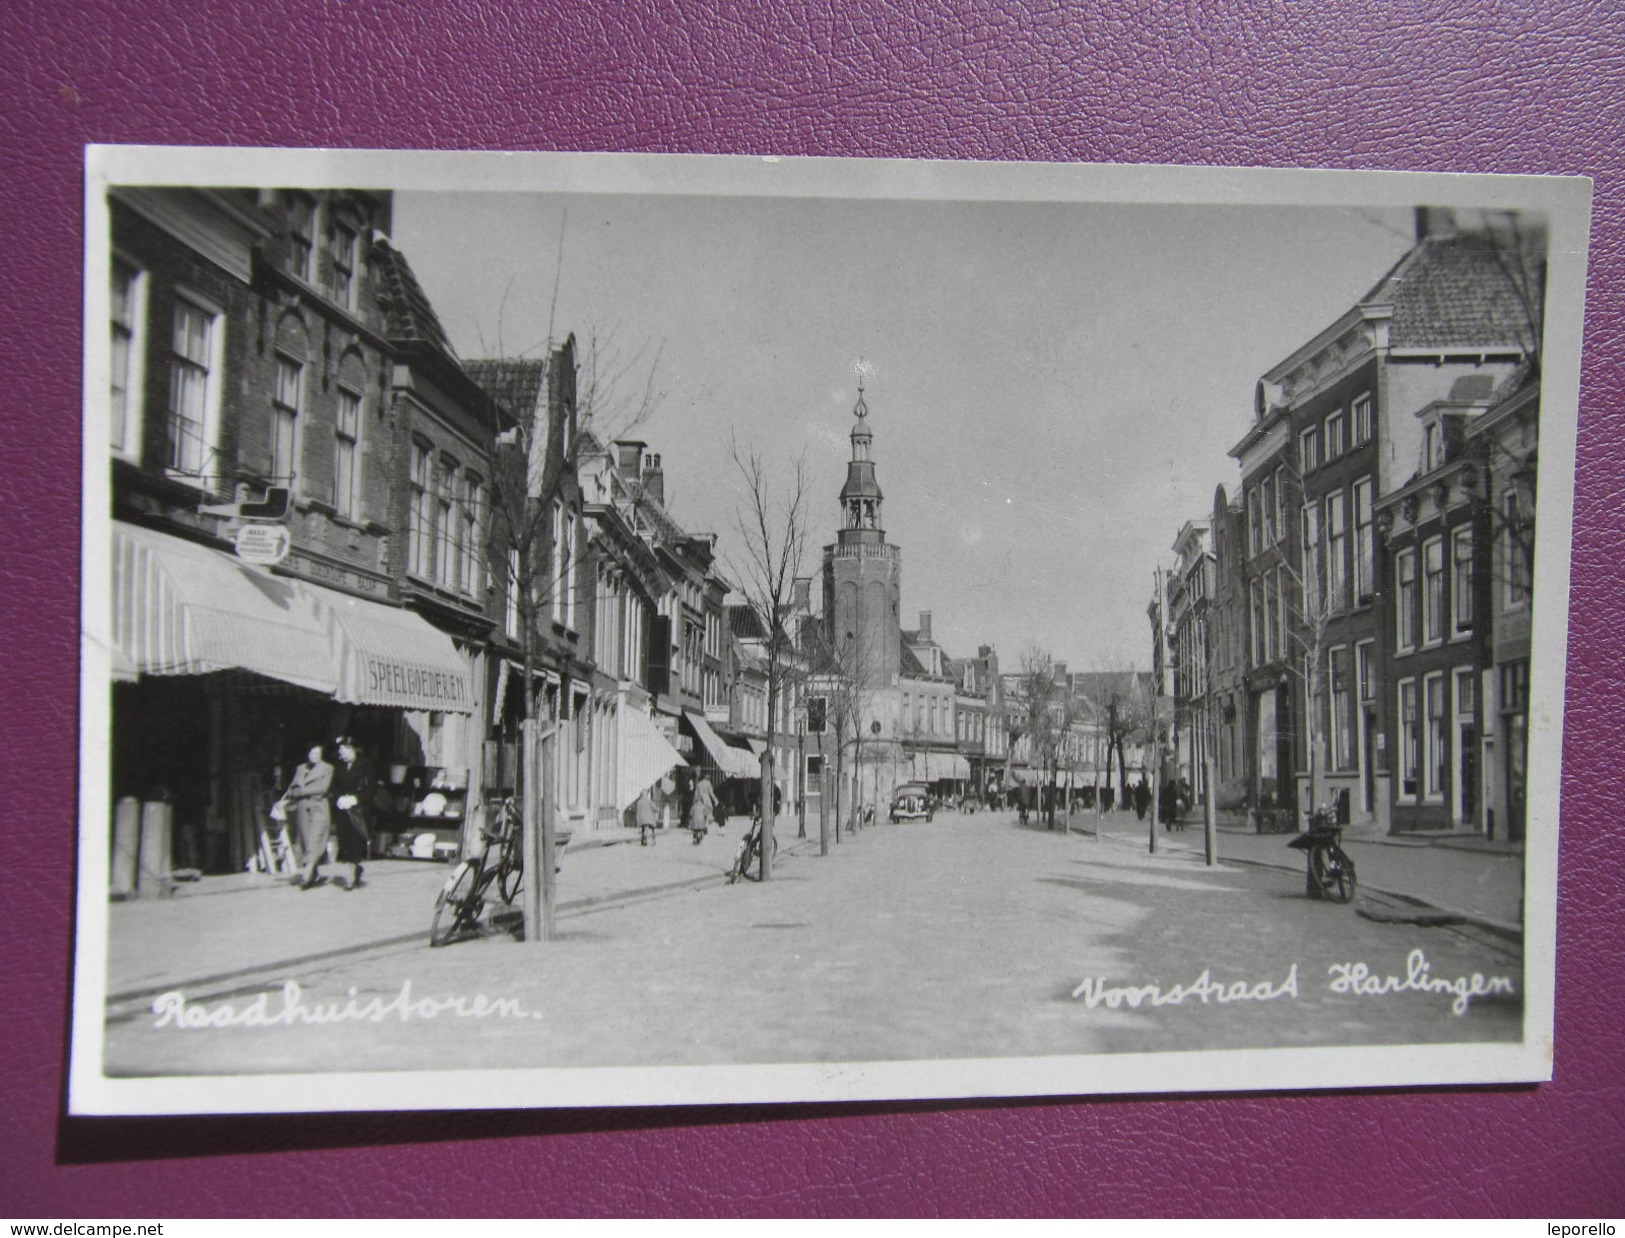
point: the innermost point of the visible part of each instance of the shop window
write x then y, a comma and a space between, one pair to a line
1342, 729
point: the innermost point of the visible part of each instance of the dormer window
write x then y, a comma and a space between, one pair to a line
1432, 445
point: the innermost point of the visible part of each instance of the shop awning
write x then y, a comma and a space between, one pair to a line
733, 762
184, 609
940, 767
393, 657
645, 757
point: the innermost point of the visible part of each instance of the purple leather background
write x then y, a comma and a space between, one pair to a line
1467, 85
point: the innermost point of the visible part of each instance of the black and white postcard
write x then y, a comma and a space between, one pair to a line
585, 629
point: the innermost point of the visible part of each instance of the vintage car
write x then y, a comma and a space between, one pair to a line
912, 802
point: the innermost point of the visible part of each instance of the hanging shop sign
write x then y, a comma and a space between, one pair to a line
265, 544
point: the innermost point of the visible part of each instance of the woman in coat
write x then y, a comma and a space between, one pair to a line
702, 809
307, 807
352, 792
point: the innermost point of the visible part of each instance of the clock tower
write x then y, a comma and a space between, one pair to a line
863, 574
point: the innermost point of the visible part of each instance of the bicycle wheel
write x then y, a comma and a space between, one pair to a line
741, 860
457, 907
1333, 873
510, 872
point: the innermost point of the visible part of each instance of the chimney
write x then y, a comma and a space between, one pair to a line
925, 627
629, 458
1434, 221
801, 594
654, 478
1060, 672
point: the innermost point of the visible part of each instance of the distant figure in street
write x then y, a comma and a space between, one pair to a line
307, 805
1142, 799
646, 818
352, 792
701, 810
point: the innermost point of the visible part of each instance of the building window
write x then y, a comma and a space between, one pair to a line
448, 552
570, 585
341, 277
1342, 735
510, 614
419, 525
1272, 531
1334, 435
1409, 739
301, 234
285, 409
1364, 559
1309, 450
1361, 421
472, 503
1433, 446
1283, 617
1311, 559
1405, 599
1434, 770
1281, 530
1461, 581
1365, 671
1432, 590
1519, 549
193, 389
124, 380
1336, 552
346, 435
1269, 618
1254, 521
1255, 588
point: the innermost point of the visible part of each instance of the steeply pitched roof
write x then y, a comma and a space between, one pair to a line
517, 385
408, 315
1451, 291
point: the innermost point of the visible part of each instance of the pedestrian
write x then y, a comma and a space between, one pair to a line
307, 803
1142, 798
645, 816
352, 795
702, 809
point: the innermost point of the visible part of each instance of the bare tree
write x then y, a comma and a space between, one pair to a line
527, 534
772, 526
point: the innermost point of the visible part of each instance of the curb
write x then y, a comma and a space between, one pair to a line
575, 907
1500, 928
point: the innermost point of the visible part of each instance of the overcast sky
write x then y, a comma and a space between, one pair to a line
1052, 387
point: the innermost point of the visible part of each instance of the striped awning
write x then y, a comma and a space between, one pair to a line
733, 762
184, 609
940, 767
387, 656
644, 757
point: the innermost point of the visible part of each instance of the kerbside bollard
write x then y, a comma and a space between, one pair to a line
152, 878
126, 847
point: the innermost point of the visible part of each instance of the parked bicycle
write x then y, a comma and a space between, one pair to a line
750, 848
1331, 872
499, 865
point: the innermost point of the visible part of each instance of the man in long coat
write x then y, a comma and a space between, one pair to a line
351, 791
307, 804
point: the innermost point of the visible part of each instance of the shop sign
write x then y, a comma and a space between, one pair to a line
266, 544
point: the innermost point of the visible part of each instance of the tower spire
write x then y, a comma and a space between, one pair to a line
860, 495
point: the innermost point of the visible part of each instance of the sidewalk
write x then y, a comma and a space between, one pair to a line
220, 928
1454, 875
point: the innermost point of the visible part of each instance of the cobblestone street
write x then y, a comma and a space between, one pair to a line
964, 937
